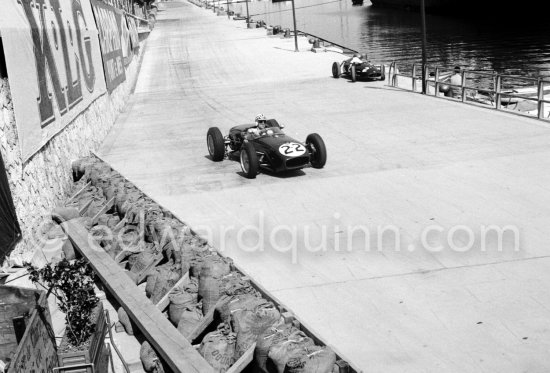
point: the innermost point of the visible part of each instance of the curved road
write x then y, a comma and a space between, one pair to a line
388, 252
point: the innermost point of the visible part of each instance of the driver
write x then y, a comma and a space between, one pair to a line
356, 59
261, 125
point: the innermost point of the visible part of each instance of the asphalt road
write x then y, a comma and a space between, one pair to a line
360, 249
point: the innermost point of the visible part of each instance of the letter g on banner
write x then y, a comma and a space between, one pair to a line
89, 70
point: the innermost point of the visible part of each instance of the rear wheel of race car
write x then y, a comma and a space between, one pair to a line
249, 160
273, 123
215, 143
383, 72
336, 70
353, 73
318, 151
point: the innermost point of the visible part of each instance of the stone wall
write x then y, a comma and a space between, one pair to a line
40, 184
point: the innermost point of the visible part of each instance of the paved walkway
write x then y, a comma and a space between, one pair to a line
425, 167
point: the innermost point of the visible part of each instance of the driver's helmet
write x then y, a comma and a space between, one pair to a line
260, 120
357, 55
364, 57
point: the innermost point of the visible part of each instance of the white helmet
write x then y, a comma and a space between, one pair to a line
260, 117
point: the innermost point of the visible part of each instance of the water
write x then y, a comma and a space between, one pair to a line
387, 35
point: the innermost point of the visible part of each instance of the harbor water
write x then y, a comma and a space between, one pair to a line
505, 46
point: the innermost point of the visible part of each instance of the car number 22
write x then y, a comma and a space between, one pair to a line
292, 149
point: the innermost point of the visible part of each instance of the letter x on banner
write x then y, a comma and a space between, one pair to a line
54, 65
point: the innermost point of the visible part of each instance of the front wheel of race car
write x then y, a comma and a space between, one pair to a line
353, 73
249, 161
336, 70
215, 143
317, 150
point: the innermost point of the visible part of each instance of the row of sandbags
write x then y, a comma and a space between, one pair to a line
245, 317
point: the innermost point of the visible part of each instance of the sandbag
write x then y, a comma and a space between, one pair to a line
248, 325
179, 301
312, 359
268, 338
190, 317
227, 305
209, 288
125, 321
166, 279
280, 353
151, 281
149, 359
218, 348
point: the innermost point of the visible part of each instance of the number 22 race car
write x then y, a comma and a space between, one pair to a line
268, 149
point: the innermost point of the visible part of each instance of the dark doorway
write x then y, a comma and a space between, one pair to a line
10, 233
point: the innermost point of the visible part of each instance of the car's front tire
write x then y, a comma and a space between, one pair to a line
353, 73
336, 70
317, 150
249, 161
215, 143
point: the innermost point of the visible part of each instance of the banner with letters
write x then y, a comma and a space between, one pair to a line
109, 20
54, 65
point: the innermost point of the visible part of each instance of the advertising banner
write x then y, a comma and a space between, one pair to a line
109, 20
54, 65
134, 36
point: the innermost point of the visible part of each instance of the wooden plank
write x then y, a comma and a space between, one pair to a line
78, 193
84, 208
103, 210
165, 301
143, 274
243, 360
201, 327
172, 347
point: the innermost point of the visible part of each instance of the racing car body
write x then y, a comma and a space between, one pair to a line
270, 149
357, 71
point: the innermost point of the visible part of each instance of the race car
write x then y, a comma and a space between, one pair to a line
270, 149
358, 70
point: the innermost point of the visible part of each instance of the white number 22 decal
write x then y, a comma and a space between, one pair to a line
292, 149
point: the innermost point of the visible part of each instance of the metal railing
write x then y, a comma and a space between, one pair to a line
500, 91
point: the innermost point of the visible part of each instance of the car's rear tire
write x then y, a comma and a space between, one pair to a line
336, 70
273, 123
317, 150
383, 72
249, 161
215, 144
353, 73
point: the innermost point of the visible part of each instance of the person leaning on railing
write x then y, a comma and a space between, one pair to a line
456, 83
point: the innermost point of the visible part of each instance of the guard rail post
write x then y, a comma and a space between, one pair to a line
498, 83
462, 84
414, 78
540, 98
425, 78
436, 85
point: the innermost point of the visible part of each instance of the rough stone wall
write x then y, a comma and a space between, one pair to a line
40, 184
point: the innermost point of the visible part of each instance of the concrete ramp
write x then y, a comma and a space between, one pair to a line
422, 246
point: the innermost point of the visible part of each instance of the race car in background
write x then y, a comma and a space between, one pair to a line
358, 68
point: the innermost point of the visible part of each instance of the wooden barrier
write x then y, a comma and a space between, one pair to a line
174, 349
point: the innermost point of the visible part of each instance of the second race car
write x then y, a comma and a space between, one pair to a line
357, 68
267, 148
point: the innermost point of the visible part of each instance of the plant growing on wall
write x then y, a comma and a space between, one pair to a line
71, 282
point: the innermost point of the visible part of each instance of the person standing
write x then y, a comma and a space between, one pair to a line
456, 83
